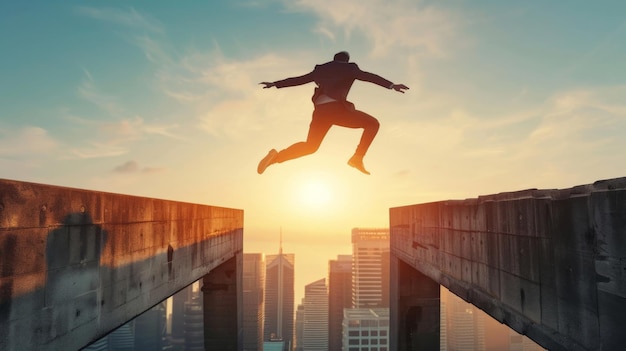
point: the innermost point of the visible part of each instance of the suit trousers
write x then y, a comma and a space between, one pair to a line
341, 113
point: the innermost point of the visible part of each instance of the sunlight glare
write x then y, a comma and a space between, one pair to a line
315, 193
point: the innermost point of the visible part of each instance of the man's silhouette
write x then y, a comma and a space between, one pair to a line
333, 80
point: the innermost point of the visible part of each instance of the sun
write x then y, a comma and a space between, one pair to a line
315, 193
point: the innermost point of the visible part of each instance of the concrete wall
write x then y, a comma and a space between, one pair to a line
549, 263
75, 264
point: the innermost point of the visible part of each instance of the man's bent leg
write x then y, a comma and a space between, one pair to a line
370, 129
318, 128
370, 125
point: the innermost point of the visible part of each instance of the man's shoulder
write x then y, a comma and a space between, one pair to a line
337, 65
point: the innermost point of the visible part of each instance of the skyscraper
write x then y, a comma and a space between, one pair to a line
178, 311
279, 297
150, 329
370, 267
339, 297
366, 329
299, 327
194, 324
315, 329
253, 301
465, 324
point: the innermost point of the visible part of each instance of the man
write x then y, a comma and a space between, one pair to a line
333, 80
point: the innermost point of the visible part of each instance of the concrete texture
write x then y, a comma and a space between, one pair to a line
551, 264
75, 264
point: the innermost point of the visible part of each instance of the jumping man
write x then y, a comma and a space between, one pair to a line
333, 80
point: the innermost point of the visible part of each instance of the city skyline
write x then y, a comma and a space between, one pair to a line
163, 101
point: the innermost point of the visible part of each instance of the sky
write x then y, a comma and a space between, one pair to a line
161, 99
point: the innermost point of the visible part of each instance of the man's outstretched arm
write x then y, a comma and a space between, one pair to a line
376, 79
399, 87
289, 82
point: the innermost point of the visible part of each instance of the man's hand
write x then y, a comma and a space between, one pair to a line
268, 84
399, 87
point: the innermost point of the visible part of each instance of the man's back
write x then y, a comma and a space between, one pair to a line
335, 78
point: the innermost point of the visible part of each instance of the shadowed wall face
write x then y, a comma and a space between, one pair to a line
76, 264
548, 263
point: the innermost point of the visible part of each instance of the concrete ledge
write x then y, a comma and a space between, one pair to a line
75, 264
548, 263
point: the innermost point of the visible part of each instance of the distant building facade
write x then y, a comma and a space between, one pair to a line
194, 325
366, 329
276, 345
150, 329
370, 267
465, 324
522, 343
177, 319
339, 297
315, 328
299, 327
279, 297
253, 301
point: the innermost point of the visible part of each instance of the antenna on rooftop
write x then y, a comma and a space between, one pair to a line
280, 249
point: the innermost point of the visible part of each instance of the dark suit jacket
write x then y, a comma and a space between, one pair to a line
335, 79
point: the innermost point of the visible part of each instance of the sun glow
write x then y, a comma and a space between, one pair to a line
315, 193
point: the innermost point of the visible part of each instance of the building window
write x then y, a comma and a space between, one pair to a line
353, 342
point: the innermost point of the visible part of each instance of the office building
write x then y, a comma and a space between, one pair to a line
253, 301
339, 297
279, 297
177, 319
370, 267
194, 324
465, 324
315, 329
366, 329
299, 327
276, 345
522, 343
150, 329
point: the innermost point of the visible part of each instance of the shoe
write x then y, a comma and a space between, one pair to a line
357, 163
266, 161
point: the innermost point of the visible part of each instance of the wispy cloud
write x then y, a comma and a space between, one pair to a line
421, 28
224, 94
26, 141
132, 167
128, 17
88, 91
96, 150
113, 125
115, 137
571, 133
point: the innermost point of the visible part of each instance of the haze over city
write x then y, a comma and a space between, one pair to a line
162, 100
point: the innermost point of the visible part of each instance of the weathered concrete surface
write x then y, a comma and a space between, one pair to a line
75, 264
551, 264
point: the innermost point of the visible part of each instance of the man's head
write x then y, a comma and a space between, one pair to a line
342, 56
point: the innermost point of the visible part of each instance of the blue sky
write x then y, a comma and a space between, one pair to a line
155, 99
